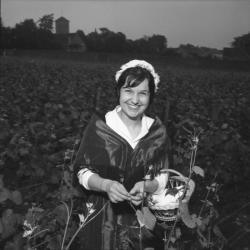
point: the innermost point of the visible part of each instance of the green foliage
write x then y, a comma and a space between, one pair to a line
44, 107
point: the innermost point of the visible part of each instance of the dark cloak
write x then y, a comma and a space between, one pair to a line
105, 152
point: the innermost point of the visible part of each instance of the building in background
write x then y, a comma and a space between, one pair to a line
62, 25
66, 40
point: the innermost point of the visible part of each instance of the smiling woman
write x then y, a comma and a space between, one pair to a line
120, 159
134, 102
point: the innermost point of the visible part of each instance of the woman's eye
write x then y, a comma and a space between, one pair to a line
127, 90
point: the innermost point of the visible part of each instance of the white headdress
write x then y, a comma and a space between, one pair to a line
142, 64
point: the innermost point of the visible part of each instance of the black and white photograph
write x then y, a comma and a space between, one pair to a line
124, 125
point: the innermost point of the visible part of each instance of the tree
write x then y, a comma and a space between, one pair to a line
93, 41
6, 41
45, 36
141, 45
106, 37
45, 39
106, 41
82, 35
242, 42
25, 34
6, 38
115, 42
157, 44
46, 22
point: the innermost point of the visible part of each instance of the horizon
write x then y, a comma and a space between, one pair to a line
211, 24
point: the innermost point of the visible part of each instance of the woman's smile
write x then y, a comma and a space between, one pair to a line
134, 107
134, 100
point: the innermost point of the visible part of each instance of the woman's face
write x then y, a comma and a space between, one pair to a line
135, 100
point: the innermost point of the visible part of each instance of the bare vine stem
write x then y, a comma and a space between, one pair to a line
236, 237
170, 234
44, 230
233, 213
194, 147
140, 236
34, 185
84, 224
44, 242
73, 150
69, 212
206, 197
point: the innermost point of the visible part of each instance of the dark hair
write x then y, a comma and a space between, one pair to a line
133, 77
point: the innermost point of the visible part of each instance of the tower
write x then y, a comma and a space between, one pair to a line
62, 25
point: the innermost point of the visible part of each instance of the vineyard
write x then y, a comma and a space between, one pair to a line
44, 108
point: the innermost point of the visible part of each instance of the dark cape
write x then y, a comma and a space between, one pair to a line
105, 152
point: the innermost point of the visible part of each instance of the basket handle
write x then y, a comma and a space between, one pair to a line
191, 183
169, 170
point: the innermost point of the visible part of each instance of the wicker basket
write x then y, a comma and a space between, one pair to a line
165, 204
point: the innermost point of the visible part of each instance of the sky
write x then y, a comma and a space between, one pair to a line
209, 23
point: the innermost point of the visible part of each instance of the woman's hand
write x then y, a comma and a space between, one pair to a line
136, 193
115, 190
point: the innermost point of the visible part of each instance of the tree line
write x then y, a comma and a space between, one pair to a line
30, 34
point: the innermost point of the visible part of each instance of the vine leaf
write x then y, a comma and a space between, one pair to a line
173, 239
61, 214
202, 239
4, 194
185, 215
54, 242
16, 197
178, 233
8, 223
199, 171
15, 244
218, 233
202, 223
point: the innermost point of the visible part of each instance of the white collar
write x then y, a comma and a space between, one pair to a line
114, 121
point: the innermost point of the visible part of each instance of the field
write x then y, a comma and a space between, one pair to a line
44, 108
